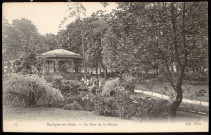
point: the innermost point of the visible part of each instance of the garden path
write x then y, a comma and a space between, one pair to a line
202, 103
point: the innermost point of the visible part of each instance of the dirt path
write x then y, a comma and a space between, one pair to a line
202, 103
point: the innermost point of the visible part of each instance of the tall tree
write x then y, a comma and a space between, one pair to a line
22, 41
77, 10
167, 33
176, 26
19, 39
97, 27
52, 41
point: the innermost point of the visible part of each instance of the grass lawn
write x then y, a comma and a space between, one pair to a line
189, 91
41, 114
39, 119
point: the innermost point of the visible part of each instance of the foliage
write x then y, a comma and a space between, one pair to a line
29, 90
105, 106
66, 86
28, 65
127, 81
126, 107
135, 38
73, 106
111, 87
164, 33
52, 78
151, 108
72, 86
86, 100
22, 38
93, 89
51, 41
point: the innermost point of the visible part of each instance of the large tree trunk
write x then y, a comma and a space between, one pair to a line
178, 89
176, 103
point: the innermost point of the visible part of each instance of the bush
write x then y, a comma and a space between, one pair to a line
73, 106
52, 78
93, 89
88, 101
72, 86
150, 108
125, 107
29, 90
105, 106
127, 81
85, 99
117, 105
111, 87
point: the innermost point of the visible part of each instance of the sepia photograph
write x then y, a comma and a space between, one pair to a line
97, 67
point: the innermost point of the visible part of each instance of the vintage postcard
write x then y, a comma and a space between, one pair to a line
105, 67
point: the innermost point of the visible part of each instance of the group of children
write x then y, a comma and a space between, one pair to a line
91, 82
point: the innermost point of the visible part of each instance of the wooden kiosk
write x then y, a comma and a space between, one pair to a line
62, 62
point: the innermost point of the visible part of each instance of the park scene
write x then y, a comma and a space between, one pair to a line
135, 61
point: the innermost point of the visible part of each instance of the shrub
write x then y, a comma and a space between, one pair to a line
30, 90
125, 107
102, 81
127, 81
124, 104
126, 110
52, 78
72, 86
85, 99
111, 87
71, 98
105, 106
117, 105
150, 108
73, 106
93, 89
88, 101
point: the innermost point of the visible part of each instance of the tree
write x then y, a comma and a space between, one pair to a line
175, 24
97, 25
77, 10
20, 39
164, 33
93, 29
124, 49
51, 41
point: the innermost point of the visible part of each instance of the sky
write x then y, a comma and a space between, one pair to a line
47, 16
